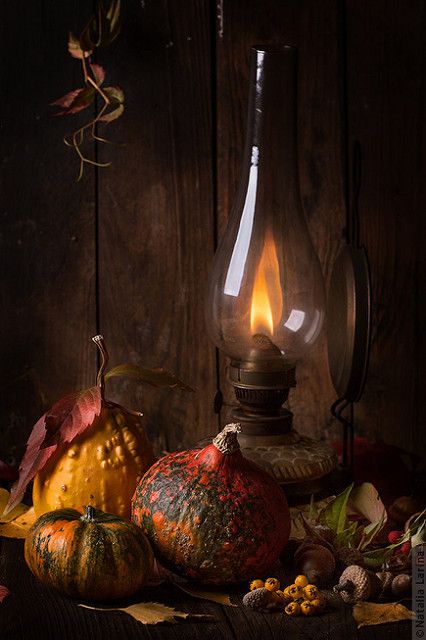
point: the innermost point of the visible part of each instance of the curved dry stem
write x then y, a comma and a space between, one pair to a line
76, 139
100, 380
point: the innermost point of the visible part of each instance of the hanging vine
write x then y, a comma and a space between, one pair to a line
101, 30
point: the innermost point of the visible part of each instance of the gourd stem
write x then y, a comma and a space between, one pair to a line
89, 513
100, 380
227, 441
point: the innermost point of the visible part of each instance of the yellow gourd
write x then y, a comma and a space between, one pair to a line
101, 466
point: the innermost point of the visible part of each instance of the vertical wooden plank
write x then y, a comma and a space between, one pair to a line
156, 218
314, 28
47, 240
386, 73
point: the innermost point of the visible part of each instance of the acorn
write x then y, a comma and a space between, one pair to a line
357, 584
401, 584
400, 563
316, 562
385, 578
325, 533
348, 556
402, 508
262, 600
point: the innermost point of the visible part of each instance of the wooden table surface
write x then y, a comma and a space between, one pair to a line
33, 612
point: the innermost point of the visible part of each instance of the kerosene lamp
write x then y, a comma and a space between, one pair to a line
266, 302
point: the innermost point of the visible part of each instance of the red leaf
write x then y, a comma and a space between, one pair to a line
7, 472
62, 423
4, 592
98, 73
75, 101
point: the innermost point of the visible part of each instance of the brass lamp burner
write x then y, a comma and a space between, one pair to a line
262, 383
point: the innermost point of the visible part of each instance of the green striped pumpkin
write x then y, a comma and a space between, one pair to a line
88, 554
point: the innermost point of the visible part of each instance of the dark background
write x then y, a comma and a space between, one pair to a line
128, 250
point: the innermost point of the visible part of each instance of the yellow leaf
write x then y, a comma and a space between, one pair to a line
205, 594
369, 613
17, 522
16, 511
150, 612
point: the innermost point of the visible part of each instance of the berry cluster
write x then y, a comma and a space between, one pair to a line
298, 598
396, 537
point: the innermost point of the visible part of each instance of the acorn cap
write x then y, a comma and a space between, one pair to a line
261, 599
349, 556
385, 578
357, 584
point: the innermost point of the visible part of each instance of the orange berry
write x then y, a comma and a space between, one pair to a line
287, 591
256, 584
272, 584
311, 592
307, 608
319, 603
292, 609
295, 591
301, 581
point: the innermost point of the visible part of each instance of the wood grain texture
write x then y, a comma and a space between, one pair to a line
386, 75
313, 28
47, 257
156, 215
33, 612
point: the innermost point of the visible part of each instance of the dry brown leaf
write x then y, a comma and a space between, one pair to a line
369, 613
151, 612
205, 594
17, 522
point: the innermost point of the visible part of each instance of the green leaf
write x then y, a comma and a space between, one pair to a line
376, 557
372, 530
75, 49
112, 115
420, 536
115, 94
113, 15
155, 377
347, 537
334, 514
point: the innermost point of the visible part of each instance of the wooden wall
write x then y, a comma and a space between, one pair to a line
127, 251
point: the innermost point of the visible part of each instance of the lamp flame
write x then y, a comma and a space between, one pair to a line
267, 300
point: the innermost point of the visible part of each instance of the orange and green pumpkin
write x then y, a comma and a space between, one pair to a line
211, 514
91, 555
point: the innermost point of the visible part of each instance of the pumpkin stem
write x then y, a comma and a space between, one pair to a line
227, 441
89, 513
100, 380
